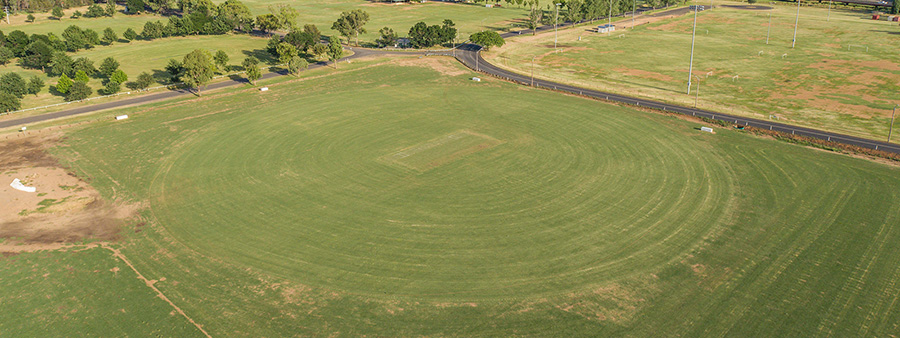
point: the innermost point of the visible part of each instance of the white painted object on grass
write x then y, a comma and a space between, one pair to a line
706, 129
16, 184
121, 117
23, 129
476, 79
263, 89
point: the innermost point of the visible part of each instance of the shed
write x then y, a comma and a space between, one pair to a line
606, 28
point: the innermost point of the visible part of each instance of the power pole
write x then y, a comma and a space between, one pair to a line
796, 22
828, 16
556, 27
6, 9
691, 67
609, 23
633, 9
768, 28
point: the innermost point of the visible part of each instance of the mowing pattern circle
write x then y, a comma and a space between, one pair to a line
458, 201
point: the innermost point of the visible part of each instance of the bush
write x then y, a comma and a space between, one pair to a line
112, 87
9, 102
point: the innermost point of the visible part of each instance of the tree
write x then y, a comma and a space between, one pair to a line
112, 87
534, 18
129, 35
14, 84
57, 12
267, 23
6, 55
61, 63
237, 15
198, 69
75, 38
110, 8
85, 65
319, 49
286, 15
76, 15
108, 66
153, 30
94, 11
313, 36
334, 51
64, 84
251, 68
175, 68
351, 23
91, 38
35, 84
109, 36
134, 6
81, 76
574, 12
143, 81
38, 55
118, 76
285, 52
388, 37
30, 18
9, 102
222, 60
296, 64
17, 41
79, 91
487, 39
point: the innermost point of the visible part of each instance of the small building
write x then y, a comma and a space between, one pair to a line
605, 28
699, 8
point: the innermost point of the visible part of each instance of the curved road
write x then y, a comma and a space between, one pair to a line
469, 55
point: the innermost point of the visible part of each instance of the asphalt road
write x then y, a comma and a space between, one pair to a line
469, 55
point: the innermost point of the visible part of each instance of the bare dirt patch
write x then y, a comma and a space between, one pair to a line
443, 65
64, 209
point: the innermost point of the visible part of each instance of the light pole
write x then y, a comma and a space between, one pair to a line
556, 27
532, 76
796, 22
768, 27
828, 16
891, 129
691, 67
482, 24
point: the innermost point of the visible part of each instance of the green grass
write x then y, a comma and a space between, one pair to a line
82, 293
818, 84
276, 214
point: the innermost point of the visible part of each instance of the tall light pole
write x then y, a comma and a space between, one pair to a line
482, 24
796, 22
768, 27
828, 16
532, 75
6, 9
691, 67
555, 27
891, 130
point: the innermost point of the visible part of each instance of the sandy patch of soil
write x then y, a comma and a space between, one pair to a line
64, 209
445, 66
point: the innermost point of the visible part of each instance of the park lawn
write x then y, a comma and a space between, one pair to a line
819, 84
43, 24
147, 56
275, 213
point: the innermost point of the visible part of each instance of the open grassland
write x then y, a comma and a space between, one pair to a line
513, 212
146, 56
819, 84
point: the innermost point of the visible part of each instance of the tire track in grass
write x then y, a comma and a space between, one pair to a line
118, 254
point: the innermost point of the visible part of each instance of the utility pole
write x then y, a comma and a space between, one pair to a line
691, 67
6, 9
768, 27
532, 76
556, 27
891, 130
828, 16
796, 22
